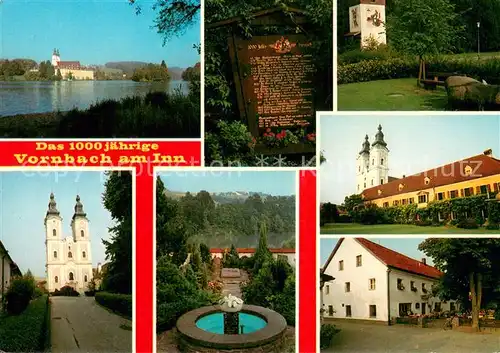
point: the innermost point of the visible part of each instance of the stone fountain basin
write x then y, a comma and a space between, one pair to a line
195, 337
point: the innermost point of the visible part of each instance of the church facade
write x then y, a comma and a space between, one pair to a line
69, 259
475, 175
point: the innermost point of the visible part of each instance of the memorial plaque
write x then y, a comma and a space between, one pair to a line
276, 74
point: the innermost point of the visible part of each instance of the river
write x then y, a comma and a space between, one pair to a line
22, 97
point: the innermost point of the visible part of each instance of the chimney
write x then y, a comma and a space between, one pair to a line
424, 261
488, 152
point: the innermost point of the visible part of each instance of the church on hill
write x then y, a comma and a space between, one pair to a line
69, 259
475, 175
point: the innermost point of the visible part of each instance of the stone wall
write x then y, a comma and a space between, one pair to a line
277, 345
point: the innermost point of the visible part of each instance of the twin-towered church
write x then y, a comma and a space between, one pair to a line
69, 260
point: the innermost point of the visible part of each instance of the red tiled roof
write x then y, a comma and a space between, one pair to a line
70, 64
482, 165
252, 250
399, 261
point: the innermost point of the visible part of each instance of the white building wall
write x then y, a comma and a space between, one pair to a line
360, 296
6, 273
406, 295
362, 164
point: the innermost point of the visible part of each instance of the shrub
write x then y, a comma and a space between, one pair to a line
90, 293
19, 295
493, 226
423, 223
168, 313
326, 335
343, 218
469, 223
65, 291
118, 303
27, 332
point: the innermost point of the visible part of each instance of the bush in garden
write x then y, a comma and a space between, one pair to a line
65, 291
27, 332
19, 295
326, 335
119, 303
468, 223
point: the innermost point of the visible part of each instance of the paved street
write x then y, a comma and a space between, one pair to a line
373, 338
79, 324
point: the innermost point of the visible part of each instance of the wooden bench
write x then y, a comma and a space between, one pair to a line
438, 79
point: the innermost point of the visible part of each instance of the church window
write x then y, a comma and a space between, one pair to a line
373, 161
365, 185
372, 182
55, 254
382, 161
70, 255
82, 233
359, 168
56, 279
71, 277
83, 254
54, 232
381, 181
85, 278
358, 187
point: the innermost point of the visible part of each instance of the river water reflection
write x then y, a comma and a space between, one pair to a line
40, 97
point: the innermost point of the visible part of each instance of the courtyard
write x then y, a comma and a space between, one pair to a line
361, 337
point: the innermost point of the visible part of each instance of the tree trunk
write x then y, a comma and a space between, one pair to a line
476, 293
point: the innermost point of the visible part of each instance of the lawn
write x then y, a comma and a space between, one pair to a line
395, 94
355, 228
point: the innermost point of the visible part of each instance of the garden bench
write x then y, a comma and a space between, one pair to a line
437, 79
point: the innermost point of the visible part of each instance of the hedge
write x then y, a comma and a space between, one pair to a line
404, 67
470, 213
29, 331
118, 303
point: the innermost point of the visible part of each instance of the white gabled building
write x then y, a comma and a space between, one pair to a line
8, 270
375, 283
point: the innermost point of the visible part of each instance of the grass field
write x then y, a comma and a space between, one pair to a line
395, 94
355, 228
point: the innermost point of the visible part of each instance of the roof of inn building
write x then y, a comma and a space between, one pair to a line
392, 259
470, 168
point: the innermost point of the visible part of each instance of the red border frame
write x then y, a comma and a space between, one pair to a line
144, 250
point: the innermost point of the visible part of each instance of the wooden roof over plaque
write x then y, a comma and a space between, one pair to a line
274, 75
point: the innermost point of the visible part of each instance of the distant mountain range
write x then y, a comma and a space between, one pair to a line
128, 68
221, 197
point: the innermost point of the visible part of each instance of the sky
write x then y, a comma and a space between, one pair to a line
24, 199
408, 247
415, 143
92, 32
270, 182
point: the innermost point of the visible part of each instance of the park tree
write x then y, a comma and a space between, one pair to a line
171, 234
468, 265
352, 202
262, 254
329, 212
117, 199
163, 64
424, 28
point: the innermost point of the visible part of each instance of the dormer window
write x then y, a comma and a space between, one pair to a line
379, 192
427, 180
468, 170
401, 187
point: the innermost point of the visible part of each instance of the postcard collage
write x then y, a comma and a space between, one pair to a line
256, 176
